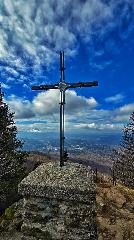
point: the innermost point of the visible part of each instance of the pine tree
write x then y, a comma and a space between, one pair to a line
124, 164
12, 158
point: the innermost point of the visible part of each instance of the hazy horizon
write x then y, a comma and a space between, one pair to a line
44, 141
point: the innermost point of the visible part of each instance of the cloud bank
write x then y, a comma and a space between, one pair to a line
80, 112
46, 104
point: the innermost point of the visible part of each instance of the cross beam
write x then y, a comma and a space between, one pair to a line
63, 86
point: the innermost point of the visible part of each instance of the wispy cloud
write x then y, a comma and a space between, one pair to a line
5, 86
32, 32
127, 108
123, 113
116, 98
98, 126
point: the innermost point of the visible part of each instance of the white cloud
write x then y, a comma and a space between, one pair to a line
98, 126
26, 86
46, 104
122, 118
76, 103
35, 130
37, 127
122, 114
3, 85
22, 108
127, 108
116, 98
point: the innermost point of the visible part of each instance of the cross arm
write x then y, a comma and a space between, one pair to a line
45, 87
82, 84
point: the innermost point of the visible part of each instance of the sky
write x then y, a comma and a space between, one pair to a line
97, 37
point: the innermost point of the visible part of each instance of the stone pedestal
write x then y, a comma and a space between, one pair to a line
59, 203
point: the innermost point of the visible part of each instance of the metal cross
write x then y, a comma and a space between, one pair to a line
63, 86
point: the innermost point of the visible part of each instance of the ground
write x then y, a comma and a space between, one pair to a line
115, 213
12, 236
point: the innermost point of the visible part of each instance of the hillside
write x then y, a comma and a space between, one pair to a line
115, 211
97, 158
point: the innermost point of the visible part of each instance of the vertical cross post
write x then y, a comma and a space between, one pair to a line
62, 104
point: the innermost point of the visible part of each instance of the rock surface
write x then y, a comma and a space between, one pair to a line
50, 180
59, 203
115, 216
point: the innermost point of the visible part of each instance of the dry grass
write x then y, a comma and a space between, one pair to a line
115, 211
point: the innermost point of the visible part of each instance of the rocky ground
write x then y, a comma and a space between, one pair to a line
115, 210
115, 213
11, 236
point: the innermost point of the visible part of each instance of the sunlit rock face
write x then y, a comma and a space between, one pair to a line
59, 203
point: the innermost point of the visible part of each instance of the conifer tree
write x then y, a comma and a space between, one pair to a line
124, 164
11, 156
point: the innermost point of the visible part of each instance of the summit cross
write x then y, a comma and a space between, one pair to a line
63, 86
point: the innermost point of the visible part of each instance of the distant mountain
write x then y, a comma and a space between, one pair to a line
74, 142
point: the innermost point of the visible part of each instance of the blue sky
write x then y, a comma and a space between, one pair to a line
97, 37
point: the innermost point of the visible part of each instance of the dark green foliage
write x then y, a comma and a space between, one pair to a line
12, 159
11, 156
124, 164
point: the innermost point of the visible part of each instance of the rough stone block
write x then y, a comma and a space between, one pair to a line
59, 203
